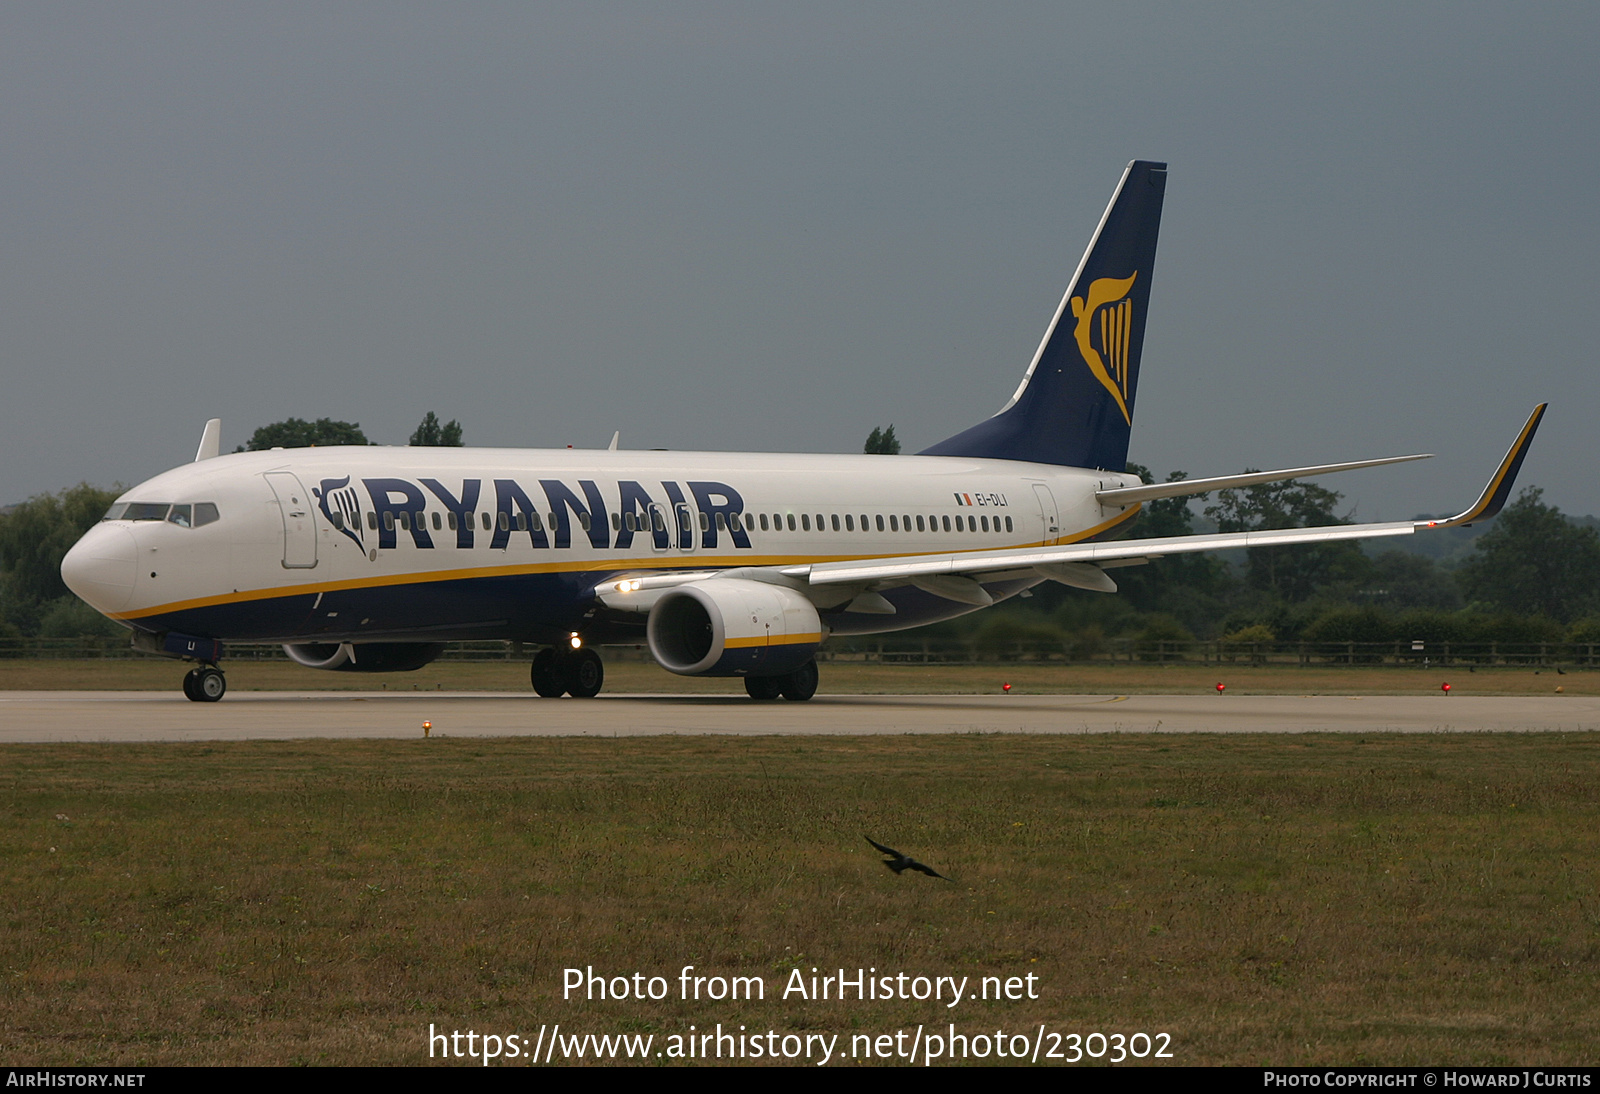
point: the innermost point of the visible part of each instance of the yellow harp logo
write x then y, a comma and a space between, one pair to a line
1109, 298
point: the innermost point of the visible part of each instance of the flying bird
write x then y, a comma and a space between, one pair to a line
897, 861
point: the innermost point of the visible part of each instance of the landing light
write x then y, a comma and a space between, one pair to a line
632, 586
574, 641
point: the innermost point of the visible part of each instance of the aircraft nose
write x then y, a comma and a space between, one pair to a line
102, 566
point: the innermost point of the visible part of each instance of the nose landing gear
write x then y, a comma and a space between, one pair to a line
205, 684
578, 673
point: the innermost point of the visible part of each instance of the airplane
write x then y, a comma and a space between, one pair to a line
370, 559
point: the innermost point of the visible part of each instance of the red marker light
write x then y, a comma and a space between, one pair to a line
1005, 687
1445, 688
1222, 687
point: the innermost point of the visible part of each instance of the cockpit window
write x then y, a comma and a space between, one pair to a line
184, 516
138, 510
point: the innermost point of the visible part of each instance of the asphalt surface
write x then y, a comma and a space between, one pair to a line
43, 716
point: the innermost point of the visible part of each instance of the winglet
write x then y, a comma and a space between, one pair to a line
1494, 496
210, 441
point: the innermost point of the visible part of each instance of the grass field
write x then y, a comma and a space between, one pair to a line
1308, 900
838, 677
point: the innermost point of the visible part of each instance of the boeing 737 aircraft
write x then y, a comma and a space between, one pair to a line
726, 564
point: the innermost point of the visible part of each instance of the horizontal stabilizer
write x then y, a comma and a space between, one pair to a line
1129, 495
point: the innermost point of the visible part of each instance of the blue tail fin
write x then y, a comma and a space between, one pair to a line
1075, 404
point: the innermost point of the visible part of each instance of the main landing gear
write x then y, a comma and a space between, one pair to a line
578, 673
205, 684
798, 686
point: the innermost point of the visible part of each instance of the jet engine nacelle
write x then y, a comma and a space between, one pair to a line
727, 626
364, 656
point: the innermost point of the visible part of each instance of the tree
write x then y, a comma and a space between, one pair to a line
1535, 561
882, 442
1293, 573
34, 537
433, 435
1184, 585
1404, 580
299, 433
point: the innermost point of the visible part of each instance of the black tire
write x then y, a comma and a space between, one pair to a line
188, 686
546, 675
584, 673
763, 687
209, 684
801, 684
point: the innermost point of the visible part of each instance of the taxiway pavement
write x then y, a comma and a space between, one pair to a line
45, 716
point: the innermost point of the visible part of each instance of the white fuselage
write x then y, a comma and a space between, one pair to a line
353, 543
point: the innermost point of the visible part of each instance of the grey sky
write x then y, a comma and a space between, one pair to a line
744, 227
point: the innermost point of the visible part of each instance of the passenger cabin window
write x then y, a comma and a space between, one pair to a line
372, 520
880, 522
791, 522
763, 522
338, 522
805, 522
849, 524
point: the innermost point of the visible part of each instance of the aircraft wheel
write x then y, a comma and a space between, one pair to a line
547, 681
209, 684
583, 672
763, 687
801, 684
188, 686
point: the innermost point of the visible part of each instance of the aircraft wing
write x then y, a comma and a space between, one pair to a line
976, 564
957, 576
